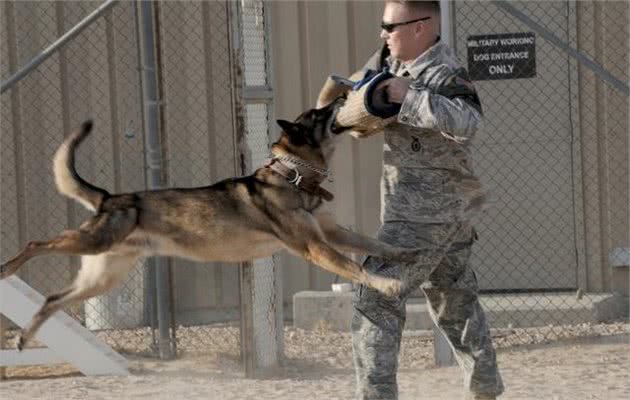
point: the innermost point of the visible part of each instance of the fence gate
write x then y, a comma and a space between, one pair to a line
180, 96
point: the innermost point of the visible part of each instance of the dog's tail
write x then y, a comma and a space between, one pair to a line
68, 181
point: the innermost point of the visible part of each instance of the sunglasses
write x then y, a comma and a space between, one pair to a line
389, 28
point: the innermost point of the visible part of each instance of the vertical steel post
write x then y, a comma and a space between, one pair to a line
153, 161
442, 352
246, 272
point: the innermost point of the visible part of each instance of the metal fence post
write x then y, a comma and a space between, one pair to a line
246, 269
442, 352
153, 159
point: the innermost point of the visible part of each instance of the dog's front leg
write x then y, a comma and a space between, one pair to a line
327, 257
356, 243
301, 234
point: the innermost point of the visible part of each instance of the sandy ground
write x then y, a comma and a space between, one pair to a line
320, 366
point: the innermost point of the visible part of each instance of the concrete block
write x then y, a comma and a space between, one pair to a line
612, 308
334, 310
619, 259
418, 317
620, 280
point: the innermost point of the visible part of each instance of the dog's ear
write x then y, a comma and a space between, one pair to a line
289, 127
294, 131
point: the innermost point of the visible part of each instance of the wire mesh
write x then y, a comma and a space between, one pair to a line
554, 152
265, 279
98, 75
198, 143
556, 148
266, 321
255, 60
94, 76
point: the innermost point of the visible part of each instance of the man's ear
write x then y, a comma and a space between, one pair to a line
293, 130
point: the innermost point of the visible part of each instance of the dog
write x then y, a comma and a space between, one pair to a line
234, 220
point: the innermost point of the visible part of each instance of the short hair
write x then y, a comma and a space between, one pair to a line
419, 5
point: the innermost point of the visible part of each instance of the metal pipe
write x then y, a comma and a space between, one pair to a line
553, 39
446, 23
50, 50
153, 161
246, 271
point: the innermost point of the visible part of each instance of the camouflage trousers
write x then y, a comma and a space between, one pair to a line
450, 287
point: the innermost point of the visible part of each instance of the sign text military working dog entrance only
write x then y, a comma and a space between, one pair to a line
502, 56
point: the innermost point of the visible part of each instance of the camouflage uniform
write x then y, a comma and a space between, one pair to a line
429, 193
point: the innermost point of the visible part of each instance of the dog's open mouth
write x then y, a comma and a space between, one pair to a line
332, 124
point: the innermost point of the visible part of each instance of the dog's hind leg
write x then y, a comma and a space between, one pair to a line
98, 274
94, 236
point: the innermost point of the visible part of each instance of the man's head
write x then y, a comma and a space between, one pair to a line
408, 41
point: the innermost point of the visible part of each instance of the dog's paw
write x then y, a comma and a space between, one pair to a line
8, 268
4, 271
20, 343
389, 287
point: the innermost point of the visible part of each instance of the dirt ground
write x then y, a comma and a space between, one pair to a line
319, 365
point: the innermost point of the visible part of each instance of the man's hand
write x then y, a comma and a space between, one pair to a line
397, 89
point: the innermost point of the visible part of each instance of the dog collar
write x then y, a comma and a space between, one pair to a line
293, 176
295, 161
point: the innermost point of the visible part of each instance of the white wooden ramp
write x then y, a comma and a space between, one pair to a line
66, 339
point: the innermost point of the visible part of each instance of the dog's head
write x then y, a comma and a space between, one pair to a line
313, 135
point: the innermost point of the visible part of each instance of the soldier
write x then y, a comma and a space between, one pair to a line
429, 193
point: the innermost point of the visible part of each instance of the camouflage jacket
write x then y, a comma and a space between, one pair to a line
428, 174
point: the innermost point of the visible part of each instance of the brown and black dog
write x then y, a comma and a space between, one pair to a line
238, 219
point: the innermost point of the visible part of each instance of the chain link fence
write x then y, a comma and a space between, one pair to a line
98, 75
194, 52
554, 152
553, 80
88, 78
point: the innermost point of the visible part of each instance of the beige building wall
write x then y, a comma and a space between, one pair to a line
81, 81
523, 155
97, 75
313, 39
602, 33
310, 41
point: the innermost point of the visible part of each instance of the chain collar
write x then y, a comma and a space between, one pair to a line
293, 176
292, 162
